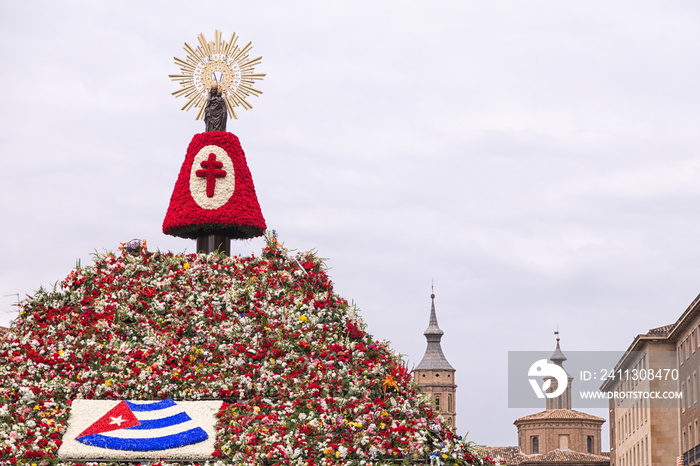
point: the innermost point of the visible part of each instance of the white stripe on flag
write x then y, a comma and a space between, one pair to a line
150, 433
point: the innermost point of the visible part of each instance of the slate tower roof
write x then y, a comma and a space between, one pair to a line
433, 357
557, 357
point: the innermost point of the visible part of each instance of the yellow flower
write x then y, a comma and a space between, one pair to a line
186, 266
108, 382
256, 409
303, 318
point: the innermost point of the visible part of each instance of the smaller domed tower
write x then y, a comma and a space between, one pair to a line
559, 427
563, 401
434, 375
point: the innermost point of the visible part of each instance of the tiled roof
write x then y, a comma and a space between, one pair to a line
560, 414
514, 457
566, 456
511, 455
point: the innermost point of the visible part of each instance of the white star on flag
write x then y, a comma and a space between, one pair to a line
117, 420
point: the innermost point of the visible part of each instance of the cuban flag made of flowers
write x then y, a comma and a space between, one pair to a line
164, 429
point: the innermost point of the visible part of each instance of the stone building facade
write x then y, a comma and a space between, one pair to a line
652, 431
434, 375
686, 337
643, 431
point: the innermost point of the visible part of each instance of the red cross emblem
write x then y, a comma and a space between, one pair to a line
212, 171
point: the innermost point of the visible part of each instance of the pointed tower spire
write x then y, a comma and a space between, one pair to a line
563, 401
433, 357
557, 357
434, 375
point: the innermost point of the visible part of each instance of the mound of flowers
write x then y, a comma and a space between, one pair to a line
302, 382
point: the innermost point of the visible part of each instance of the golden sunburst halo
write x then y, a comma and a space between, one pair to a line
220, 63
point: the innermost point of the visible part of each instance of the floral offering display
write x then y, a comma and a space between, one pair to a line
214, 192
298, 378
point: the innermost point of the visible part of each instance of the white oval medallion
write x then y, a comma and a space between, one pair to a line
212, 180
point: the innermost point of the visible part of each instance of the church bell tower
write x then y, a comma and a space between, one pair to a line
434, 375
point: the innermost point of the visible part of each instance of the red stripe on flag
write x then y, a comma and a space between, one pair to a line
119, 417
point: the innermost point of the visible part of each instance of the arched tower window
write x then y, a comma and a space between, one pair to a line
535, 444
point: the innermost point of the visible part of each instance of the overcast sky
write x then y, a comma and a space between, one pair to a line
538, 161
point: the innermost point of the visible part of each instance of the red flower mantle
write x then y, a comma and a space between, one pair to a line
238, 217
